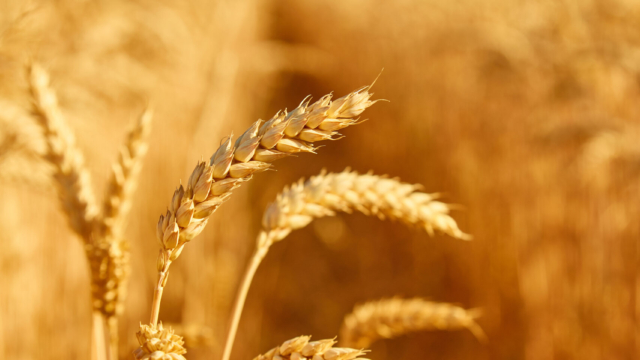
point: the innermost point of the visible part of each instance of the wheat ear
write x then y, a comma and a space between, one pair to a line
390, 318
106, 251
70, 173
74, 188
212, 182
109, 251
348, 191
124, 177
300, 348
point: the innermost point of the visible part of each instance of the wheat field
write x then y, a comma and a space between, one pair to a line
513, 125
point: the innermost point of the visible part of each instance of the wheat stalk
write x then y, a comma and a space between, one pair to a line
300, 348
212, 182
390, 318
348, 191
105, 248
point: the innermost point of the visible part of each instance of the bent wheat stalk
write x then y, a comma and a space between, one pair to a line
101, 234
390, 318
301, 348
212, 182
348, 191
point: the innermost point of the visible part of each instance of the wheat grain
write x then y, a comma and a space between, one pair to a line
212, 182
69, 171
390, 318
326, 194
300, 348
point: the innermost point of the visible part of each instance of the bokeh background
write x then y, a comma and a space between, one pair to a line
525, 113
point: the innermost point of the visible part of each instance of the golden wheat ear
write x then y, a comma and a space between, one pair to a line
69, 172
234, 163
390, 318
300, 348
286, 133
124, 177
326, 194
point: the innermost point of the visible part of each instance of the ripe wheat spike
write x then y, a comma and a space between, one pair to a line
124, 178
300, 348
212, 182
347, 191
70, 174
390, 318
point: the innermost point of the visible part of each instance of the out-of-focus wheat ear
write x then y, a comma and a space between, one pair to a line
390, 318
70, 174
300, 348
124, 177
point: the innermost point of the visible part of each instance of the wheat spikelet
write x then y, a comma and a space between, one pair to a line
300, 348
212, 182
326, 194
69, 171
390, 318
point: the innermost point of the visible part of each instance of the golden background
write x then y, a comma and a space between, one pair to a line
525, 113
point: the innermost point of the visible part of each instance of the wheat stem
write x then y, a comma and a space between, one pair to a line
163, 275
100, 348
256, 259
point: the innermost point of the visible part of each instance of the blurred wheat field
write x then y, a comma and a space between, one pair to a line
525, 113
